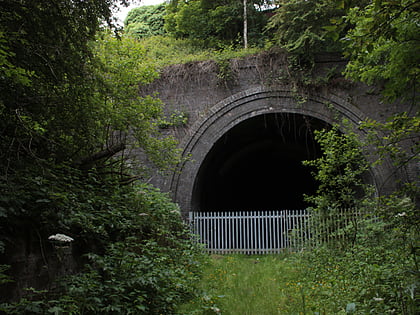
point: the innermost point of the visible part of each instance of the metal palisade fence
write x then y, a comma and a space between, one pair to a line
268, 232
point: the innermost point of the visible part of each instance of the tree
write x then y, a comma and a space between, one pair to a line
245, 25
59, 109
380, 38
383, 46
145, 21
216, 23
49, 41
340, 171
299, 26
60, 97
124, 116
69, 110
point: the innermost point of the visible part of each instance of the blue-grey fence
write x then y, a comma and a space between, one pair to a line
267, 232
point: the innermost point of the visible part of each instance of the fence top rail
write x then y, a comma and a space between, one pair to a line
249, 216
250, 212
267, 214
253, 212
270, 212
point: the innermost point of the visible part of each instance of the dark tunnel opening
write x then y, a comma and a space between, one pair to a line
257, 165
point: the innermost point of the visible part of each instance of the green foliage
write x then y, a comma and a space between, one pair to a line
237, 284
396, 140
140, 259
8, 70
380, 273
3, 277
164, 51
306, 30
49, 56
300, 27
134, 278
376, 270
145, 21
339, 171
225, 74
383, 46
69, 107
214, 23
149, 266
66, 93
362, 280
124, 66
379, 37
176, 119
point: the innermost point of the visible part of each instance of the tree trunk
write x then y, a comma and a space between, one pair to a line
245, 26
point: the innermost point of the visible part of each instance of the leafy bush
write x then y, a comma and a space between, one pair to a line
139, 258
383, 46
375, 271
145, 21
132, 278
378, 275
69, 108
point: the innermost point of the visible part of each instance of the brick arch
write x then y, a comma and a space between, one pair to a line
239, 107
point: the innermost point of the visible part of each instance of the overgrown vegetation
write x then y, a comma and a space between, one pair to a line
138, 258
145, 21
380, 39
313, 282
236, 284
70, 111
186, 31
299, 26
374, 267
216, 24
165, 51
383, 46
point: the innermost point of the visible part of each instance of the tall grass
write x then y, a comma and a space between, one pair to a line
318, 282
249, 285
165, 50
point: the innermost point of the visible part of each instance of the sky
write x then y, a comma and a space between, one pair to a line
122, 14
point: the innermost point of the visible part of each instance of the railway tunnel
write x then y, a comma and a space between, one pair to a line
244, 170
257, 165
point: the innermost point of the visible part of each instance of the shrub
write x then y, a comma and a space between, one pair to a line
138, 254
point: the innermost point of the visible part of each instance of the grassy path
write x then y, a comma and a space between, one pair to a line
363, 280
251, 285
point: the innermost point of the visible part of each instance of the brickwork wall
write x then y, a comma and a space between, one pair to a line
215, 102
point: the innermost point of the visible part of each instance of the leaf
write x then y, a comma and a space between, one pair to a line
330, 28
56, 310
3, 212
43, 200
351, 308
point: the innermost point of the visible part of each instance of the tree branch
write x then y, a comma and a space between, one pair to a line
87, 162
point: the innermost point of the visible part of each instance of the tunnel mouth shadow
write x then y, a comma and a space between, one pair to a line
257, 165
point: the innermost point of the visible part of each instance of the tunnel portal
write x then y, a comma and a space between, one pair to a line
257, 165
